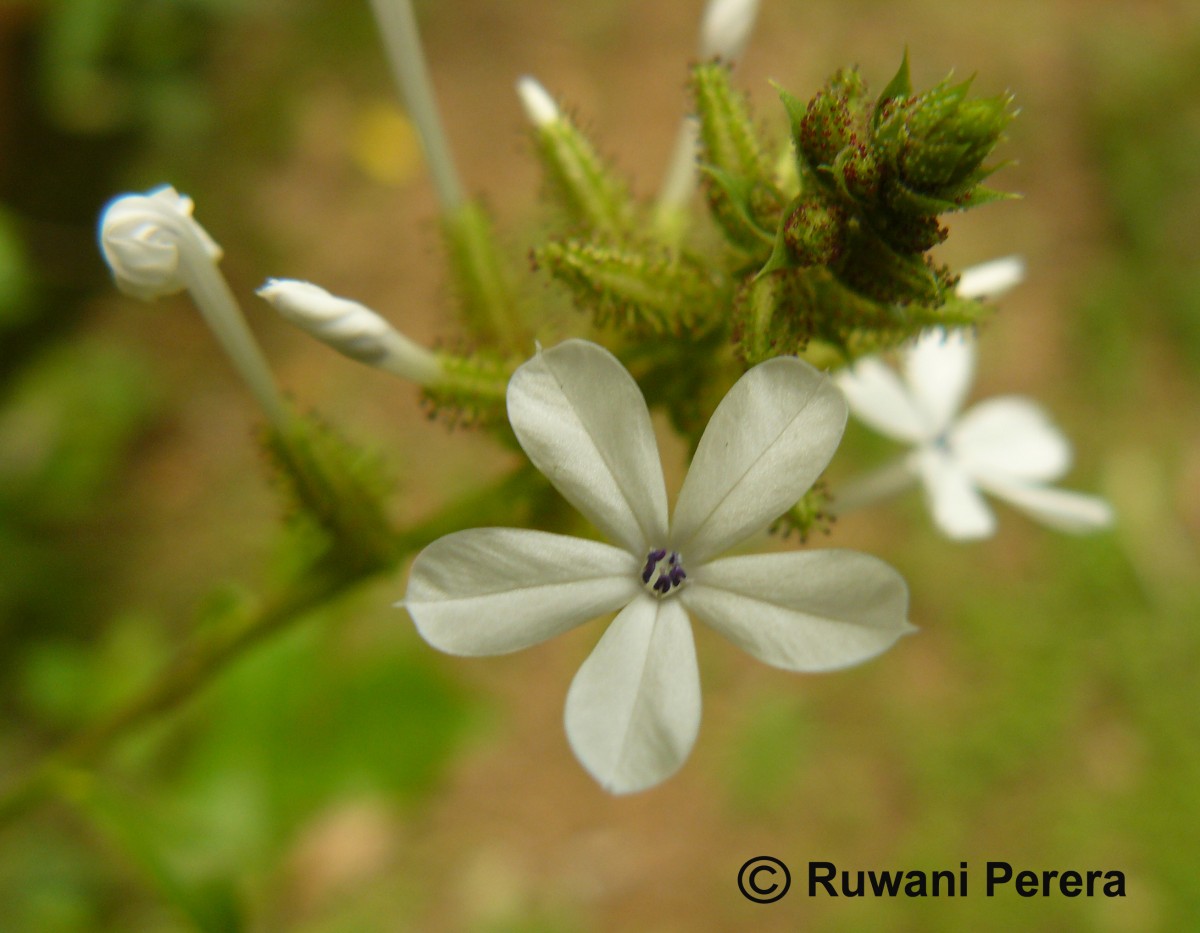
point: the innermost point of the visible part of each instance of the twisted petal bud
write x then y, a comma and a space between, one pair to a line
352, 329
141, 236
726, 27
155, 248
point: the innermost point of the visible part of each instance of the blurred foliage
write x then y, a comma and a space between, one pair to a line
1144, 134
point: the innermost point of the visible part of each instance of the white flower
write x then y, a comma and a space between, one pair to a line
633, 710
1005, 446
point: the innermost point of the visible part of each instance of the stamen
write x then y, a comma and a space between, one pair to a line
663, 571
652, 560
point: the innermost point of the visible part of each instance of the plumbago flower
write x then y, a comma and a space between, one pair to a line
633, 709
1005, 446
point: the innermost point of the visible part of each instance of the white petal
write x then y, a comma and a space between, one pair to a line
1061, 509
958, 508
992, 278
633, 710
767, 442
804, 610
938, 367
495, 590
1011, 437
583, 422
879, 399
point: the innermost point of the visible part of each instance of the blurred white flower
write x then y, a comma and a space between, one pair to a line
1005, 446
726, 27
633, 710
992, 278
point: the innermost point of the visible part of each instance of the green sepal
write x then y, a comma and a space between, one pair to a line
901, 199
899, 88
728, 139
734, 209
482, 278
876, 270
647, 291
857, 174
739, 181
591, 195
822, 127
980, 195
771, 316
814, 231
807, 516
337, 489
471, 390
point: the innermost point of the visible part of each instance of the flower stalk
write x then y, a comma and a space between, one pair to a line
402, 42
482, 281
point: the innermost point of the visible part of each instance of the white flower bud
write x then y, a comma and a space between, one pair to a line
352, 329
539, 105
142, 235
989, 279
155, 248
726, 27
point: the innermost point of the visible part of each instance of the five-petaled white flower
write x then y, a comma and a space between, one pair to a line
1005, 446
633, 710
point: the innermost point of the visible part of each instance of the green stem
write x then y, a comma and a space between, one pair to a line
481, 278
201, 662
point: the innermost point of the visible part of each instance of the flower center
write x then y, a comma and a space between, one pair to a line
663, 572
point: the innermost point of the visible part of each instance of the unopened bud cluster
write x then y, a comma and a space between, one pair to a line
836, 250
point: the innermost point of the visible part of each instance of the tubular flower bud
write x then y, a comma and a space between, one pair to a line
726, 27
155, 248
539, 105
352, 329
992, 278
142, 237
